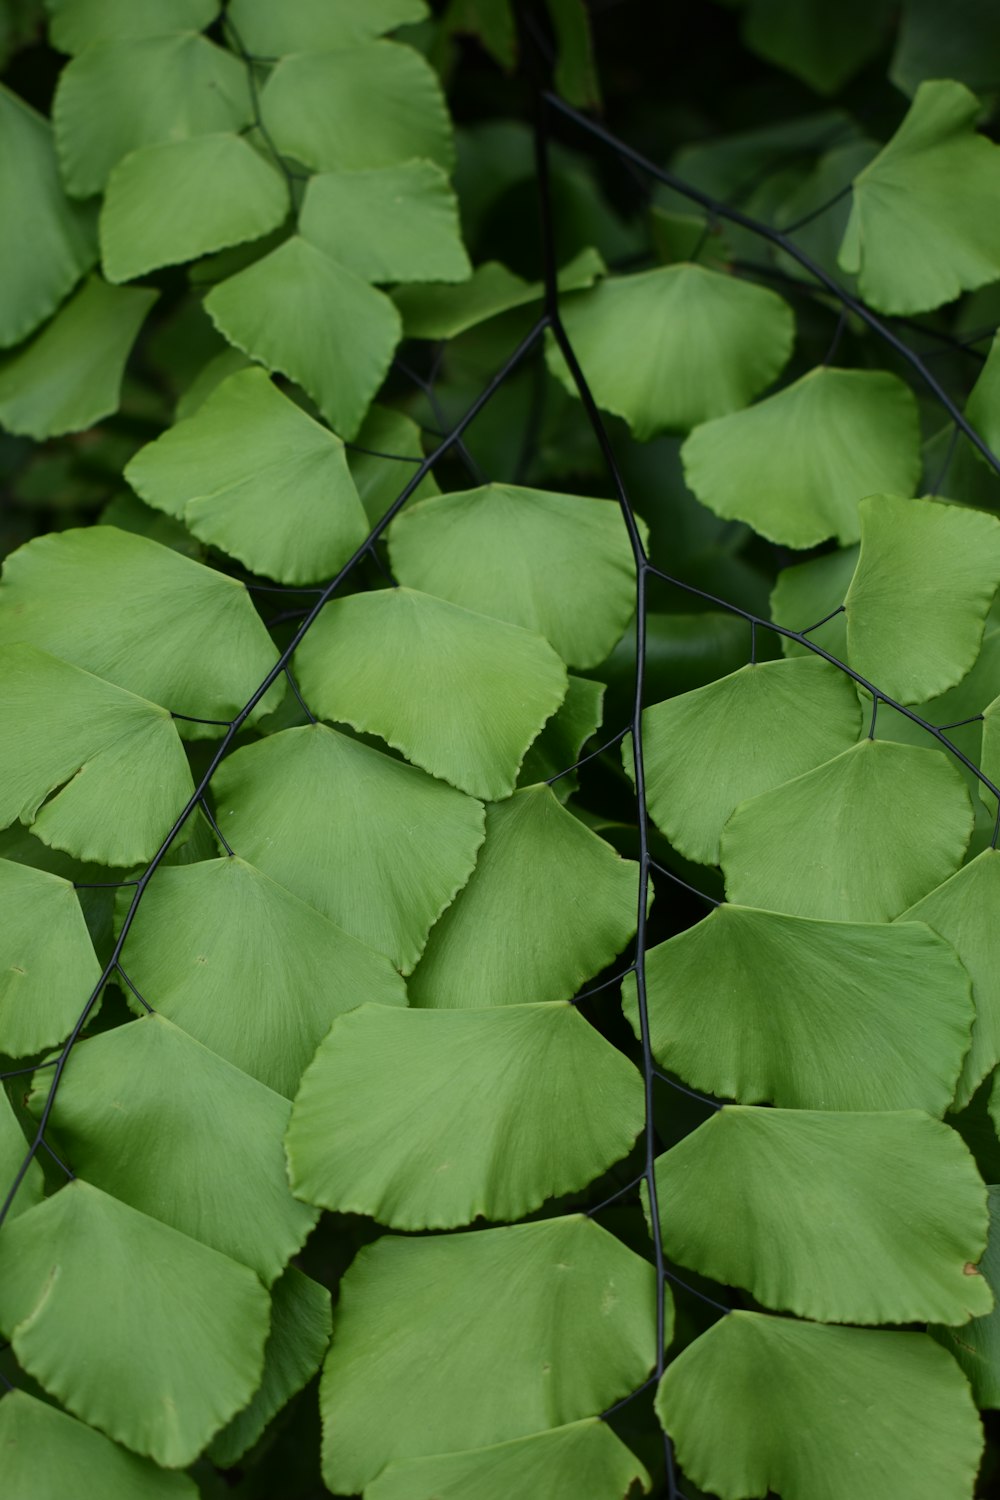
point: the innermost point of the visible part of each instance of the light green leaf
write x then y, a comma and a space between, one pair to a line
47, 961
441, 310
46, 242
918, 601
887, 1414
69, 376
300, 313
563, 737
396, 223
180, 199
74, 24
13, 1150
380, 480
373, 843
128, 92
582, 1458
843, 1217
460, 694
294, 971
151, 1116
795, 465
925, 223
761, 1007
89, 1287
977, 1345
372, 105
792, 715
673, 347
139, 614
822, 45
480, 1337
48, 1455
548, 905
300, 1332
810, 591
962, 910
88, 767
251, 473
560, 565
313, 25
843, 842
467, 1113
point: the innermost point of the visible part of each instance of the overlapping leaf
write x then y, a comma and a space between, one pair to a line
460, 694
560, 744
13, 1150
844, 1217
560, 565
76, 746
253, 474
795, 465
74, 24
760, 1007
674, 347
548, 905
809, 592
842, 842
466, 1113
151, 1116
917, 604
303, 25
140, 615
792, 716
375, 844
300, 313
47, 961
89, 1286
886, 1413
477, 1338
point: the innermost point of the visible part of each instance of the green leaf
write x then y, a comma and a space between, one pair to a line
13, 1150
139, 614
960, 42
560, 565
977, 1346
961, 911
480, 1337
314, 25
373, 843
372, 105
792, 715
467, 1113
925, 223
252, 474
563, 737
301, 314
761, 1007
294, 970
548, 905
300, 1332
69, 376
875, 1217
77, 747
575, 70
90, 1287
673, 347
380, 480
47, 243
822, 45
983, 405
441, 310
460, 694
47, 961
918, 601
887, 1414
809, 591
128, 92
842, 842
795, 465
133, 1116
582, 1458
396, 223
180, 199
48, 1454
74, 24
